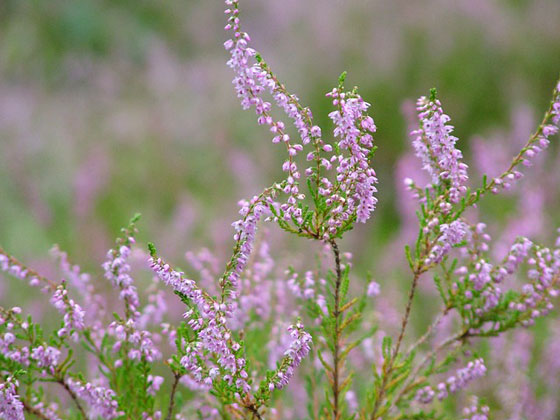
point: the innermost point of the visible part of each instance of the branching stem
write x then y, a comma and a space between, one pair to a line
390, 366
74, 397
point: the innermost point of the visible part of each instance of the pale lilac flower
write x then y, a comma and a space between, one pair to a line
450, 234
373, 289
425, 395
482, 274
155, 383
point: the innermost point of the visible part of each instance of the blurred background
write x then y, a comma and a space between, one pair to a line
112, 107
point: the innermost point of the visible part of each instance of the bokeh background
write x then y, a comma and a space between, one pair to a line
112, 107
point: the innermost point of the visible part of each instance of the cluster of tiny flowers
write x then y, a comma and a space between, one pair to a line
94, 304
14, 269
514, 258
101, 401
117, 270
46, 357
474, 370
245, 230
299, 348
450, 234
7, 341
143, 346
556, 106
435, 145
209, 324
535, 146
48, 412
79, 280
73, 313
155, 383
250, 82
307, 289
304, 288
257, 290
11, 408
475, 412
482, 276
544, 274
181, 284
353, 129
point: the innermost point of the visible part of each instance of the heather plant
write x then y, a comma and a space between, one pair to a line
248, 335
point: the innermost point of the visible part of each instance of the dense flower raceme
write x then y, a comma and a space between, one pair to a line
73, 313
357, 179
46, 357
299, 348
245, 231
101, 400
117, 270
250, 82
208, 320
435, 146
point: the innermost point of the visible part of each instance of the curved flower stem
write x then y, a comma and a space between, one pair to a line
336, 314
172, 397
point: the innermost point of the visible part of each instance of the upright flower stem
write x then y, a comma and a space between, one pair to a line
337, 344
390, 366
172, 397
